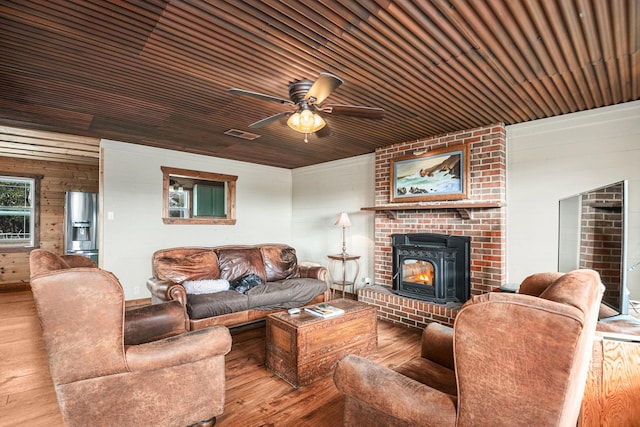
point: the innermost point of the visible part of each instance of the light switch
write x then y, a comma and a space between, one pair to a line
109, 215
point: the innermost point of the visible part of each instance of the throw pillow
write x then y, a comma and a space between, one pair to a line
247, 282
196, 287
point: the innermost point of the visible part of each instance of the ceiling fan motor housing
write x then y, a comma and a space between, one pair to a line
298, 90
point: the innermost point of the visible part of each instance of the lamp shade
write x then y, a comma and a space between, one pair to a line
343, 220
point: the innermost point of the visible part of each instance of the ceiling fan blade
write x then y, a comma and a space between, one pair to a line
270, 119
322, 88
374, 113
243, 92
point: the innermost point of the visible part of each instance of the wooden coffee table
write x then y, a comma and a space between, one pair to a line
303, 347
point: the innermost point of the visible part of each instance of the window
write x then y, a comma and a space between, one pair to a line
193, 197
19, 216
178, 201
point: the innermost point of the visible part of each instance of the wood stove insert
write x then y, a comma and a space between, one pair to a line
432, 267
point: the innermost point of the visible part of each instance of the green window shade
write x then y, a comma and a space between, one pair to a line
208, 200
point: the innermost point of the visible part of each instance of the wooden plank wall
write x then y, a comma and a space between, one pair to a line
58, 179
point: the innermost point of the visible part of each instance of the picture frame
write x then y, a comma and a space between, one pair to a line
436, 175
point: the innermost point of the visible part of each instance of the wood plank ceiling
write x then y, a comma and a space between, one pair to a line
158, 72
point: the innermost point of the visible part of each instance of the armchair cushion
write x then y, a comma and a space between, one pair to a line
430, 373
392, 393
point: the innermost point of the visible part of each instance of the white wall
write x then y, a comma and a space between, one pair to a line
320, 193
547, 160
132, 192
554, 158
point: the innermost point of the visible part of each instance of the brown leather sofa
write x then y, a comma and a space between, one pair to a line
99, 379
285, 283
509, 360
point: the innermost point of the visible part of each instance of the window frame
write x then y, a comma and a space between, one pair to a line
35, 240
169, 173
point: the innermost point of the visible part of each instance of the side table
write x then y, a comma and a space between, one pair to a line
343, 260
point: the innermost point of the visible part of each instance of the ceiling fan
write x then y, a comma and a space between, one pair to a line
307, 97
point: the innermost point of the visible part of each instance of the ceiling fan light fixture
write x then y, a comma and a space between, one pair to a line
306, 121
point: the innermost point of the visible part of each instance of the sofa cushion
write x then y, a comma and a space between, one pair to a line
280, 262
286, 293
238, 262
208, 305
198, 266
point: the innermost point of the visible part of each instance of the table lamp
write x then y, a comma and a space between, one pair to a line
343, 221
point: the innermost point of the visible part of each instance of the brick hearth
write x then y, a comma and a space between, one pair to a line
485, 226
410, 312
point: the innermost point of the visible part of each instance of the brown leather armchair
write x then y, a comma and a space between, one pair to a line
100, 380
509, 360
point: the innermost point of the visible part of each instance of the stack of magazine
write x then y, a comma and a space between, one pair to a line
324, 310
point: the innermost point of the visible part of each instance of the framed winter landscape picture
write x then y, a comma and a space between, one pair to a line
436, 175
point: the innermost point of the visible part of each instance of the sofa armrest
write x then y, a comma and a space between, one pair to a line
163, 290
313, 272
437, 344
394, 394
179, 349
154, 322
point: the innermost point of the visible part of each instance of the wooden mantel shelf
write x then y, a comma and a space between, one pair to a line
464, 209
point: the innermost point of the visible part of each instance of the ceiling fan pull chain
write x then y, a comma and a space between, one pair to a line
306, 137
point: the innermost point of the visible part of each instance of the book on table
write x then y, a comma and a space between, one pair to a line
324, 310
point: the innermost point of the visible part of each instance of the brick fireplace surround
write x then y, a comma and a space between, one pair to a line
485, 226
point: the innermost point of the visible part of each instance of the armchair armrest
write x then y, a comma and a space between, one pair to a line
313, 272
437, 344
154, 322
163, 290
394, 394
179, 349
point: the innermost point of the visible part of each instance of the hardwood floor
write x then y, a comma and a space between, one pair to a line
254, 395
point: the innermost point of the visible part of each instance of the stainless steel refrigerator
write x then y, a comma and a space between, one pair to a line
81, 224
